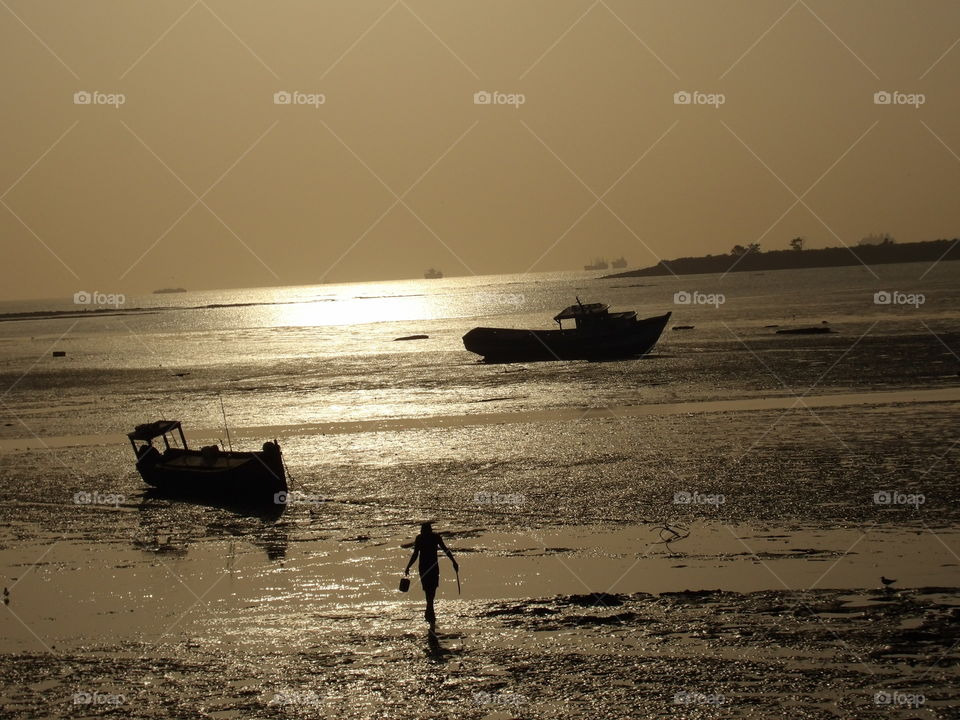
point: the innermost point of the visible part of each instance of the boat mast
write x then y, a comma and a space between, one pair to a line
227, 429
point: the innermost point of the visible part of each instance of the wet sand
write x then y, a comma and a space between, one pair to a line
691, 556
731, 621
787, 400
773, 654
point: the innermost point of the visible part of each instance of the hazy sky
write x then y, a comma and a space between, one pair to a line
199, 179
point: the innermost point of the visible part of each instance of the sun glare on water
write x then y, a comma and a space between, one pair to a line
358, 305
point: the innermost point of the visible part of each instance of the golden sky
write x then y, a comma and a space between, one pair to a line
183, 170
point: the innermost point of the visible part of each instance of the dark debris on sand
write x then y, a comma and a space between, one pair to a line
814, 654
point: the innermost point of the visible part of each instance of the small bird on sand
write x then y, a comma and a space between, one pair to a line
887, 582
6, 596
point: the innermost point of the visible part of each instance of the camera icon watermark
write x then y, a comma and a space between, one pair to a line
501, 698
98, 698
895, 497
693, 697
895, 297
683, 297
85, 97
895, 697
295, 497
483, 97
98, 498
295, 97
489, 498
512, 300
685, 97
884, 97
304, 698
114, 300
685, 497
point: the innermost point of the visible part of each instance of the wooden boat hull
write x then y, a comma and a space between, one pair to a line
507, 345
241, 477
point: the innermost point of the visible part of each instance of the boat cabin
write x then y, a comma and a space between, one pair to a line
146, 433
591, 316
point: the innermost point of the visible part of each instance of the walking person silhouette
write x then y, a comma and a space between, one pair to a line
425, 546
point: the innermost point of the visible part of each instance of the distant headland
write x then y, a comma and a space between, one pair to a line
872, 251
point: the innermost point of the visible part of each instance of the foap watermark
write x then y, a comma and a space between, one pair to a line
895, 497
85, 97
85, 497
514, 300
482, 97
306, 698
902, 699
685, 497
295, 97
493, 498
895, 297
694, 697
114, 300
682, 297
685, 97
884, 97
295, 497
500, 698
83, 697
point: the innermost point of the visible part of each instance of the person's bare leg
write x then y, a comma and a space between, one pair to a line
429, 615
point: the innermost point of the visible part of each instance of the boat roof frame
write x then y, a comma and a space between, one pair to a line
149, 431
580, 310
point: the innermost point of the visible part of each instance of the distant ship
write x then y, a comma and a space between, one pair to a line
166, 291
620, 262
598, 264
433, 274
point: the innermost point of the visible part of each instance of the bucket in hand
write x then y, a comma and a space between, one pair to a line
404, 584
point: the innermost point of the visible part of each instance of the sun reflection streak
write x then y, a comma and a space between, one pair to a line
357, 305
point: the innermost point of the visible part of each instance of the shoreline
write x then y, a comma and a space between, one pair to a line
280, 578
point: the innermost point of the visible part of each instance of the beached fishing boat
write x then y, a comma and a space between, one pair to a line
596, 334
227, 475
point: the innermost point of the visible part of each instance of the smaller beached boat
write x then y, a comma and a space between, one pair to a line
208, 473
597, 334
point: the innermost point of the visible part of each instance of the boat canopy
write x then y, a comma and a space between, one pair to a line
148, 431
580, 310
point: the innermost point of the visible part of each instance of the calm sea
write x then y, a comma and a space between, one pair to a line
380, 434
328, 353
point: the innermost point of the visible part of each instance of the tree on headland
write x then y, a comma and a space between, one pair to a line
797, 243
877, 249
739, 250
878, 239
